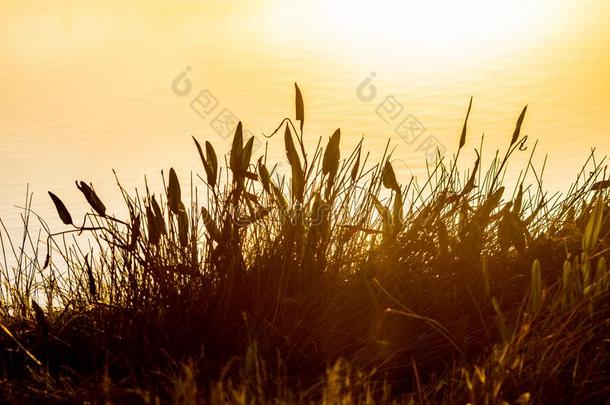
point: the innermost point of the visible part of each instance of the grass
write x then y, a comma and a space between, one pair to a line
336, 284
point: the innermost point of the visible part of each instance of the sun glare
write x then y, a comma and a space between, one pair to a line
437, 26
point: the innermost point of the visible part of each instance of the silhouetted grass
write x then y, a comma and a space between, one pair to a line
336, 284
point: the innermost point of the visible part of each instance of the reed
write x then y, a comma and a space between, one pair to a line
334, 284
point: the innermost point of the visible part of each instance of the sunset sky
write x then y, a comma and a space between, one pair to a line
87, 86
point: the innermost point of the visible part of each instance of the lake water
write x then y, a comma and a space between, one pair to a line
86, 87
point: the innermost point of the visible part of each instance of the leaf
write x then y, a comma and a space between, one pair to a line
504, 232
298, 183
601, 185
279, 197
183, 226
518, 126
593, 227
209, 167
158, 216
379, 206
154, 233
384, 213
92, 198
236, 150
63, 212
332, 155
264, 175
300, 109
518, 201
463, 136
470, 183
246, 155
174, 195
212, 164
250, 175
397, 212
41, 321
490, 204
210, 226
298, 177
135, 233
201, 156
389, 178
517, 231
291, 151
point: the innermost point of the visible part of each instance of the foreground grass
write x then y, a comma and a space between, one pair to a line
334, 285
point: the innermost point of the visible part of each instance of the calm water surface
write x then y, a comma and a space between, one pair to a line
86, 87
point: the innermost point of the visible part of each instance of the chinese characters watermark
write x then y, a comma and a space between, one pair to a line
206, 105
405, 125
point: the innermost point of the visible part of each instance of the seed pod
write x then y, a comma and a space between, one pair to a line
601, 185
246, 155
332, 155
236, 150
389, 178
518, 127
158, 216
92, 198
174, 198
212, 164
135, 233
299, 107
464, 128
63, 212
183, 226
298, 177
154, 233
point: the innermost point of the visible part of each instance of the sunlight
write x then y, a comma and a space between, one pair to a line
443, 27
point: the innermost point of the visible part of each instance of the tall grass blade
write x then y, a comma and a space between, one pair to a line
21, 346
